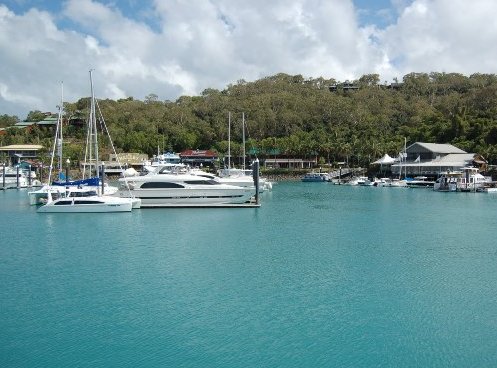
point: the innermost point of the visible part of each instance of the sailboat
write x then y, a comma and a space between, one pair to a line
40, 196
79, 199
58, 187
240, 177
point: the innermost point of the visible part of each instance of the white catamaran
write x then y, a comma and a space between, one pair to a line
89, 199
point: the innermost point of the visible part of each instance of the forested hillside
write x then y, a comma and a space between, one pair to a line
302, 117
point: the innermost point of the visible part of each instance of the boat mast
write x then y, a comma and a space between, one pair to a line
59, 138
243, 138
93, 127
57, 144
229, 142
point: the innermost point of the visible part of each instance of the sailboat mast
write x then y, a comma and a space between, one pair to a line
93, 127
59, 137
57, 144
229, 141
243, 138
403, 159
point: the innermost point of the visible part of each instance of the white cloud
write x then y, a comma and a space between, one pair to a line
9, 96
444, 35
194, 45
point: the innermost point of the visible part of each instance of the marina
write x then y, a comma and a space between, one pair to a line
357, 276
299, 184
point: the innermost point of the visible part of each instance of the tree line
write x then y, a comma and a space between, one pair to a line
296, 116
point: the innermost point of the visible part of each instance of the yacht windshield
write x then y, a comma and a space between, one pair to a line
201, 182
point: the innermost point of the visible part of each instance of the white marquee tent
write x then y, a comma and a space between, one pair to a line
385, 160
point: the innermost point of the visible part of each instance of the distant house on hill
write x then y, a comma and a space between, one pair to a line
16, 153
346, 87
50, 121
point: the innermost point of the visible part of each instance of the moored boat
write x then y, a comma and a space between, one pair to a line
420, 182
316, 177
166, 189
90, 198
359, 180
468, 179
12, 177
87, 200
391, 183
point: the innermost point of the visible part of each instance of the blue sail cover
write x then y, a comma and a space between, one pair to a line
93, 182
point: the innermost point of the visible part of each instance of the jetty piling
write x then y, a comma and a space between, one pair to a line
255, 176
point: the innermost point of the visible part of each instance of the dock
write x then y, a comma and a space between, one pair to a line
227, 205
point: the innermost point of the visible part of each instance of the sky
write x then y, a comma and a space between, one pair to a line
172, 48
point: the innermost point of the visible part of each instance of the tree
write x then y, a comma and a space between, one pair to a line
35, 115
369, 80
7, 120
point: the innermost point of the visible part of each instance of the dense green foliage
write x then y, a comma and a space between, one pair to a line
6, 120
303, 117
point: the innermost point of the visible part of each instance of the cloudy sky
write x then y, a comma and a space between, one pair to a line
181, 47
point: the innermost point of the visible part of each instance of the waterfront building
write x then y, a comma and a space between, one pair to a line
432, 159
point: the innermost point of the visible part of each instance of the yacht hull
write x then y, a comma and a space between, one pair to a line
189, 198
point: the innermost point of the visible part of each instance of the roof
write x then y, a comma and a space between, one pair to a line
386, 159
21, 147
437, 147
24, 124
49, 120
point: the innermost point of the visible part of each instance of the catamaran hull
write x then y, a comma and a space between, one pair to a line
87, 208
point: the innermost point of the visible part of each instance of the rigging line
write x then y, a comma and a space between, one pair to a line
248, 135
103, 125
58, 131
86, 149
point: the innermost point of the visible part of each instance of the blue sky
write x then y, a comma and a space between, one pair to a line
177, 47
377, 12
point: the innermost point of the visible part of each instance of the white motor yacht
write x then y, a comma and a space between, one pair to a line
13, 178
316, 177
466, 180
420, 182
242, 178
359, 180
166, 189
392, 183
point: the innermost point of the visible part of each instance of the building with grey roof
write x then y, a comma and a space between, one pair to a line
432, 159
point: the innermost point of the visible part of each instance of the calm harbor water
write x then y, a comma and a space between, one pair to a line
319, 276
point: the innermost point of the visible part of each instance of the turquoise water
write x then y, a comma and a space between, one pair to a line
319, 276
